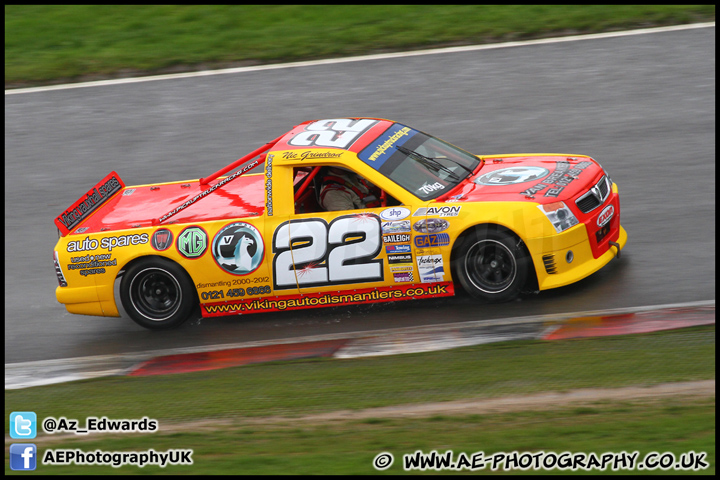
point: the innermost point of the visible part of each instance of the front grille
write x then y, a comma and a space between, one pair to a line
595, 197
549, 261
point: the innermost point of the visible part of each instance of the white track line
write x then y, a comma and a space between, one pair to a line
45, 372
363, 58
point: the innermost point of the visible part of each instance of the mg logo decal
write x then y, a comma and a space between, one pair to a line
192, 242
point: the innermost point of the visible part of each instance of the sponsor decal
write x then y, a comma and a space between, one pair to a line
396, 238
382, 148
192, 242
81, 209
402, 226
310, 155
238, 248
558, 180
91, 264
128, 192
431, 268
82, 229
107, 243
235, 292
444, 211
82, 245
313, 300
335, 132
400, 258
268, 185
428, 188
161, 239
606, 215
402, 248
512, 175
395, 213
433, 240
403, 277
401, 268
431, 225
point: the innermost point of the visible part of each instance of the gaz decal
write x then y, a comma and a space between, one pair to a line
432, 240
337, 132
310, 252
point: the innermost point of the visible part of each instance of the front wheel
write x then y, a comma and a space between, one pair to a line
491, 265
157, 294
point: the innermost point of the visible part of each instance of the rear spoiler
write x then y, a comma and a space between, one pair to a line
81, 210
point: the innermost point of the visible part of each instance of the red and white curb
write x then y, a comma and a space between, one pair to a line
362, 344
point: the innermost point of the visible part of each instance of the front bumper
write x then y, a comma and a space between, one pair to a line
556, 267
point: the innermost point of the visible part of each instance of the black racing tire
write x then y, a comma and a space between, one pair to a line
491, 265
157, 293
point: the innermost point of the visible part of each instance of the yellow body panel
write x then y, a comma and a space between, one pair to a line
278, 237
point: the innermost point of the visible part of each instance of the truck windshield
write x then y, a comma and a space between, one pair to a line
427, 167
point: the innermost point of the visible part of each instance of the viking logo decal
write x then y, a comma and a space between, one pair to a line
238, 248
508, 176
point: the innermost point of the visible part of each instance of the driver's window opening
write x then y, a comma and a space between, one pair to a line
322, 189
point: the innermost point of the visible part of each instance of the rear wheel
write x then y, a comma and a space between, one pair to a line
157, 294
492, 265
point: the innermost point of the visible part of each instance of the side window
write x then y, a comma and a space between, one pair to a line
327, 189
305, 185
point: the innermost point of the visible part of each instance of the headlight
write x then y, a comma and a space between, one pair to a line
559, 215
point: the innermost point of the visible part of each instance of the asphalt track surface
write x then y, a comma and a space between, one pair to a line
642, 105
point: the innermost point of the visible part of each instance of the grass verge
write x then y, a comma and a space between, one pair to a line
319, 385
236, 400
54, 43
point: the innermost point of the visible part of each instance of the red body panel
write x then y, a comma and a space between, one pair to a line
139, 206
362, 140
557, 185
568, 179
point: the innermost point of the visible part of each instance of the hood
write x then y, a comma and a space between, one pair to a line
542, 178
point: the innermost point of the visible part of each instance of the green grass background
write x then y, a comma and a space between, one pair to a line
54, 43
238, 401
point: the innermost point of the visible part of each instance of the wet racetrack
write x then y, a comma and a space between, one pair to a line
643, 106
